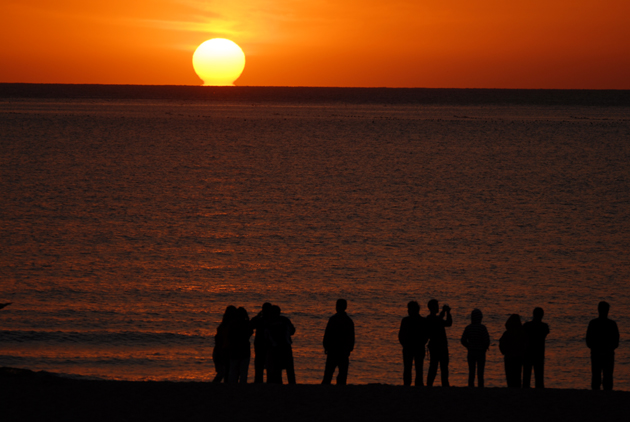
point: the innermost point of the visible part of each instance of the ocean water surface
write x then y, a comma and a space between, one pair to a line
127, 226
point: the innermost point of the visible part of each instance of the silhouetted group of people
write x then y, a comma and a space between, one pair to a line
272, 345
415, 331
522, 346
273, 352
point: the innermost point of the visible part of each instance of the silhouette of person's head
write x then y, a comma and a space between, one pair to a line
241, 314
274, 311
476, 316
413, 308
266, 307
434, 306
538, 314
230, 313
603, 309
513, 322
341, 305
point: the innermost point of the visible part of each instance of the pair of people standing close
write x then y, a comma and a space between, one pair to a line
523, 349
273, 345
231, 352
414, 333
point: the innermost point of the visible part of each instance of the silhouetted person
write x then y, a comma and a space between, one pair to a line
220, 353
259, 323
438, 343
602, 337
476, 339
338, 344
239, 332
513, 345
536, 332
280, 353
413, 336
4, 305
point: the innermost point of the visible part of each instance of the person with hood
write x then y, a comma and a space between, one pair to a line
220, 353
513, 345
476, 339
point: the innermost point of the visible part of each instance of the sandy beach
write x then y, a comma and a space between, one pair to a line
27, 395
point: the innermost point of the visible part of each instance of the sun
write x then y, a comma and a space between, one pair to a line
219, 62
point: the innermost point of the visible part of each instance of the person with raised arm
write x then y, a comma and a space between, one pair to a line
438, 342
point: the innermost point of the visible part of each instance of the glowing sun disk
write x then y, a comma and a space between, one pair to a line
219, 61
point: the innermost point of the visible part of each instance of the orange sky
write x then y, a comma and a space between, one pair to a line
394, 43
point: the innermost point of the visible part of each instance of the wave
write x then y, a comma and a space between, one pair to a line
103, 337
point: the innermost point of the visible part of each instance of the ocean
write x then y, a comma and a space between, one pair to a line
132, 216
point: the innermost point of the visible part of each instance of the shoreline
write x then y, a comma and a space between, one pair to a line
29, 395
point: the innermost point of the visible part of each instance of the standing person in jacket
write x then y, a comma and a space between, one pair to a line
602, 337
413, 336
536, 332
239, 332
220, 353
513, 345
438, 343
476, 339
280, 352
338, 344
259, 324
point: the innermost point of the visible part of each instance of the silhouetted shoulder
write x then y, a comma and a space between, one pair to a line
602, 334
413, 331
339, 334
